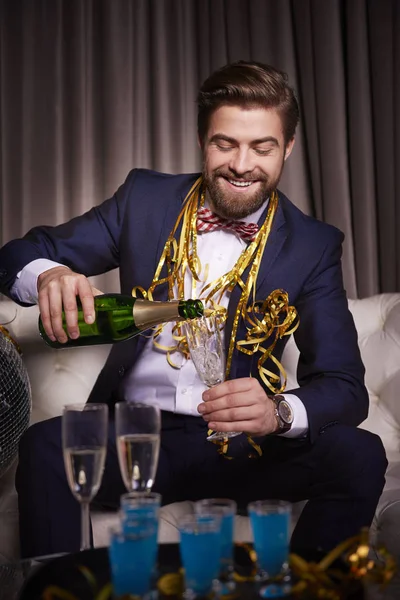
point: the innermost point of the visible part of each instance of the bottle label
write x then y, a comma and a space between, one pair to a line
148, 314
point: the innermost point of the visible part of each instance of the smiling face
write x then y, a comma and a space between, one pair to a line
243, 156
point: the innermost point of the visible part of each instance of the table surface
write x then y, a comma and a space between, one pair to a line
26, 579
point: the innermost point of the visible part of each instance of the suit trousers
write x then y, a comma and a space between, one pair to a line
341, 474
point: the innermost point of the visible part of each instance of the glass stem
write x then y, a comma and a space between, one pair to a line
85, 526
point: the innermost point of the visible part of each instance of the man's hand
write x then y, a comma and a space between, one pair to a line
57, 290
239, 405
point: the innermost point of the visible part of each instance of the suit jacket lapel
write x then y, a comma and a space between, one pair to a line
161, 292
273, 247
170, 217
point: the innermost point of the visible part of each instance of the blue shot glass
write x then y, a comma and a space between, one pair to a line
132, 556
200, 548
140, 510
137, 507
226, 509
270, 523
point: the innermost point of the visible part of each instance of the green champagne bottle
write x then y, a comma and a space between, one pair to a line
119, 317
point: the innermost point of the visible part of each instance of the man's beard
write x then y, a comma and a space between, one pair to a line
230, 205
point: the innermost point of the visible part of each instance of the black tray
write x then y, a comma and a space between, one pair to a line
66, 571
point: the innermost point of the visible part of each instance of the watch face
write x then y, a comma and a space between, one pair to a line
285, 412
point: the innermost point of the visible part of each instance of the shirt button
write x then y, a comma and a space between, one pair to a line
184, 391
121, 371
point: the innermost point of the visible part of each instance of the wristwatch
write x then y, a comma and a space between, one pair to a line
283, 414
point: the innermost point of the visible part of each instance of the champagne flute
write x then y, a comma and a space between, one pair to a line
207, 353
84, 442
137, 429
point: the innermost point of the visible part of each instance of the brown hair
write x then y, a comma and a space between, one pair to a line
248, 84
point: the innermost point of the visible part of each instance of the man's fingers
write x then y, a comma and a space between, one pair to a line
44, 308
58, 291
227, 401
55, 307
71, 314
72, 285
234, 426
86, 295
239, 413
238, 405
233, 386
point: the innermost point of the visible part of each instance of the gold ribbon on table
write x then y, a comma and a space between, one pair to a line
328, 579
263, 319
322, 580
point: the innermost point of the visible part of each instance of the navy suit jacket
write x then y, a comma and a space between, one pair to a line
302, 256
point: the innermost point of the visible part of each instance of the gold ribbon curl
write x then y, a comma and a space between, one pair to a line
322, 580
262, 318
277, 319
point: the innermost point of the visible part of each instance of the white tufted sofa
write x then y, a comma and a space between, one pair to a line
59, 377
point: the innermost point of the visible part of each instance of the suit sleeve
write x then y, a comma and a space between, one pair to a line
330, 371
88, 244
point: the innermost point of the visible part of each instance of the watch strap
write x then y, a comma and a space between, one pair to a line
283, 426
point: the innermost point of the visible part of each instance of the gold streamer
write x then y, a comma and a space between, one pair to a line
278, 319
324, 580
263, 319
359, 562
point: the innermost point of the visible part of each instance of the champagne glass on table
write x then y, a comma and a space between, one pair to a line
84, 441
207, 353
137, 429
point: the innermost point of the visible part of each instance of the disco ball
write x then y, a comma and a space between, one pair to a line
15, 400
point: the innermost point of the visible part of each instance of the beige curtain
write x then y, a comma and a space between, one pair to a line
91, 88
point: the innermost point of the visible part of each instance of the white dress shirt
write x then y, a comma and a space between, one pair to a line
152, 380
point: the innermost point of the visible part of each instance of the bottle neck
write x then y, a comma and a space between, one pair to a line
148, 314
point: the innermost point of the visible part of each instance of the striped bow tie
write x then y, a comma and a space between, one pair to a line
208, 221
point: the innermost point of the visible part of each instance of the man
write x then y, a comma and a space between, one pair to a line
311, 446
